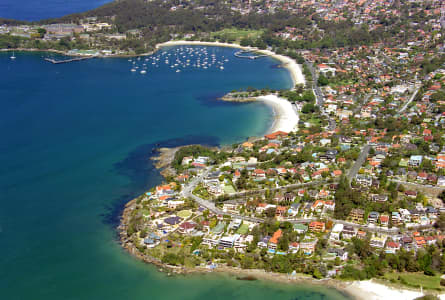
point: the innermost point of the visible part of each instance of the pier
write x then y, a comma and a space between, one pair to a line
63, 61
240, 53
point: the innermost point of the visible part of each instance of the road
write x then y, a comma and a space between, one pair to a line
359, 162
408, 102
319, 96
188, 193
418, 185
315, 88
281, 188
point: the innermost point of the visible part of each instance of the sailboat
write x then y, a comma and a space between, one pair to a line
13, 56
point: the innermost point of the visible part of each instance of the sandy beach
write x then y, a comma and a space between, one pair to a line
287, 62
286, 118
372, 290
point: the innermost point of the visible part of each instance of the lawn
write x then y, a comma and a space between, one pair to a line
234, 34
184, 214
228, 189
244, 229
416, 280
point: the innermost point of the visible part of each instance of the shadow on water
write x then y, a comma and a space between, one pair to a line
213, 100
139, 168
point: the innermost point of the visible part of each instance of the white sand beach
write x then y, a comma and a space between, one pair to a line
371, 290
287, 62
286, 118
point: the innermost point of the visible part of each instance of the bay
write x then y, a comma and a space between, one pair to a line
76, 140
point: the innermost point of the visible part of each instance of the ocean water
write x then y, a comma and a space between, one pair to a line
34, 10
75, 145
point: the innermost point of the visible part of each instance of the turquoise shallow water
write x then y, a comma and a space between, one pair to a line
75, 145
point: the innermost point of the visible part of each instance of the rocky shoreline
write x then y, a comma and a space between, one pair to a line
230, 98
164, 160
238, 273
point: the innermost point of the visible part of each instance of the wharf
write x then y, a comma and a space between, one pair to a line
240, 53
54, 61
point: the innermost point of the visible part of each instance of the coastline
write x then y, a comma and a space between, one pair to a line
358, 290
285, 116
287, 62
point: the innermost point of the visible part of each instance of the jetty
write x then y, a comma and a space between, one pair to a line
64, 61
240, 54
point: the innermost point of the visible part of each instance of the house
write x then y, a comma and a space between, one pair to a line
411, 194
336, 231
231, 206
162, 190
308, 246
293, 210
361, 234
363, 180
396, 219
373, 217
273, 242
420, 242
300, 228
379, 198
263, 207
294, 247
316, 226
415, 160
173, 204
337, 252
356, 215
289, 197
392, 247
258, 173
275, 135
187, 160
407, 243
384, 220
174, 220
378, 241
281, 211
348, 232
228, 241
187, 227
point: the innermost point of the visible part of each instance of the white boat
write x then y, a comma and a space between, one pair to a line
143, 72
133, 70
177, 71
13, 56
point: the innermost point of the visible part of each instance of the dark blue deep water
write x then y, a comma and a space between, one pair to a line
75, 146
33, 10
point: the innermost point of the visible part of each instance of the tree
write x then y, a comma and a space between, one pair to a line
283, 243
322, 80
440, 223
309, 108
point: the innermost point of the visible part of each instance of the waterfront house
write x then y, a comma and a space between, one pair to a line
337, 252
273, 242
378, 241
392, 247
